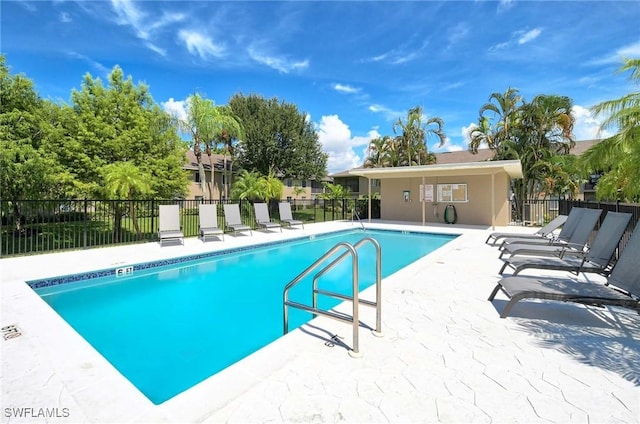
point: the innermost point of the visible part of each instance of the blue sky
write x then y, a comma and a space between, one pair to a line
354, 67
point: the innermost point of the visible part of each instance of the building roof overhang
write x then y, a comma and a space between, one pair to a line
512, 167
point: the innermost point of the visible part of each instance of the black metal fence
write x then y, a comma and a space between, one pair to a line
38, 226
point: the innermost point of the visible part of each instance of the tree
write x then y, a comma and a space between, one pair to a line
543, 131
247, 186
228, 132
121, 123
618, 157
272, 187
412, 136
335, 191
123, 180
380, 153
255, 187
26, 170
200, 125
496, 120
278, 139
534, 133
297, 190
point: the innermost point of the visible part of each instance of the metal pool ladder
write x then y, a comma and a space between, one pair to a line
356, 301
355, 213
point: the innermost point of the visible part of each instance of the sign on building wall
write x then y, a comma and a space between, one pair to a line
426, 192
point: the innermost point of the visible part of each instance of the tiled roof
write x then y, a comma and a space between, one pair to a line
218, 161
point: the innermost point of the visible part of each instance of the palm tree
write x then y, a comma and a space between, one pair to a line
229, 131
544, 130
618, 157
200, 126
505, 107
247, 186
533, 133
412, 135
378, 152
483, 133
208, 124
271, 187
125, 180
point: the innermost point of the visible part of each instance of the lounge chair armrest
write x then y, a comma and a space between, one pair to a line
566, 249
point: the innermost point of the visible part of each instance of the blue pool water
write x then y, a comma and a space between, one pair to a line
166, 329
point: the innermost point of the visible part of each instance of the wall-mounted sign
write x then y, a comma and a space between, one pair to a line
426, 192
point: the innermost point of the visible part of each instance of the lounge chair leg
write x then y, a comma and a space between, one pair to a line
494, 292
504, 265
511, 303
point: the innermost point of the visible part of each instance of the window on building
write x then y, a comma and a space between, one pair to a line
452, 193
304, 183
196, 177
353, 184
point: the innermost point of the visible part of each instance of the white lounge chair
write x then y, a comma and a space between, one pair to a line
262, 217
169, 226
232, 219
208, 215
285, 215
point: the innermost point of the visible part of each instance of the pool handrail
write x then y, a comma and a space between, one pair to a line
355, 213
356, 301
378, 303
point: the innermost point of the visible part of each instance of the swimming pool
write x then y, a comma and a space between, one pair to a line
168, 328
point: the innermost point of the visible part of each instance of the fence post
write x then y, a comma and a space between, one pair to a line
153, 215
84, 236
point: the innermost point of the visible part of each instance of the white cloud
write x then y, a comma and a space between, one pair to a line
337, 141
343, 88
505, 5
200, 45
175, 108
28, 6
499, 46
587, 126
278, 63
143, 25
624, 52
448, 146
529, 36
389, 114
466, 133
519, 37
103, 71
65, 17
401, 55
128, 14
460, 31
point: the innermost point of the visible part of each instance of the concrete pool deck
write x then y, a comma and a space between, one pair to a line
446, 356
